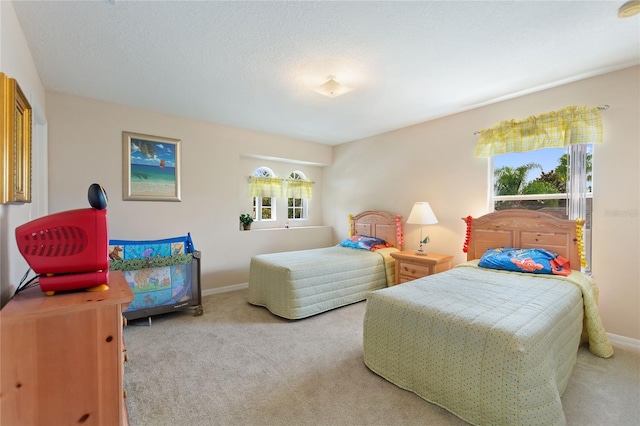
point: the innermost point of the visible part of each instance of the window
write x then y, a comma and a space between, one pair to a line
264, 185
267, 190
296, 204
518, 149
265, 206
553, 180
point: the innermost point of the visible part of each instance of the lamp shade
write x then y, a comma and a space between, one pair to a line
421, 214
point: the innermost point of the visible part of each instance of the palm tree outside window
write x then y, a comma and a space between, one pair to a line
544, 162
542, 180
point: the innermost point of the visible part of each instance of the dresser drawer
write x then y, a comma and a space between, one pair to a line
410, 266
412, 270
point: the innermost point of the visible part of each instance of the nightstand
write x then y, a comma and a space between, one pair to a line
410, 265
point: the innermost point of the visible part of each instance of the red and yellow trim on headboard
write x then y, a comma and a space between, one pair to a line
350, 217
465, 247
580, 242
399, 233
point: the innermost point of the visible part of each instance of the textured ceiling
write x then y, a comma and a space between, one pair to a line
252, 64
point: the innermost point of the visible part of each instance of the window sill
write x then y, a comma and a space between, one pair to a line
291, 228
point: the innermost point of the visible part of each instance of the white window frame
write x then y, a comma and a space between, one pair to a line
575, 207
304, 208
258, 202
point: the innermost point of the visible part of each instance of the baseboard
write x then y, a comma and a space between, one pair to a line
625, 342
225, 289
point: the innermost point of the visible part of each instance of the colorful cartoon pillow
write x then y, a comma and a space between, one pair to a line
364, 242
532, 261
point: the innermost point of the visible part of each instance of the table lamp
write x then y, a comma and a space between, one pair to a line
421, 214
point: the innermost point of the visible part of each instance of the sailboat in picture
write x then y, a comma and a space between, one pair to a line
162, 164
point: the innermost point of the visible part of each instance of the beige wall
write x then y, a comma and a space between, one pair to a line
16, 62
85, 146
434, 162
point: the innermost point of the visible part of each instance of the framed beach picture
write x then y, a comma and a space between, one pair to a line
151, 168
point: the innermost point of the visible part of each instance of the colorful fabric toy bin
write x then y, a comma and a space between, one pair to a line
164, 275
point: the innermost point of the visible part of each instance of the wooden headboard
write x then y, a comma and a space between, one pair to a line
376, 223
524, 229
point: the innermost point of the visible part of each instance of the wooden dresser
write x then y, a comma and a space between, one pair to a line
62, 357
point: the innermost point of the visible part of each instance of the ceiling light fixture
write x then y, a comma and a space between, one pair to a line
332, 88
628, 9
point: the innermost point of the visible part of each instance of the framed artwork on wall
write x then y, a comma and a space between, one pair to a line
151, 168
15, 148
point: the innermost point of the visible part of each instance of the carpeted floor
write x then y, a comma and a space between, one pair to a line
240, 365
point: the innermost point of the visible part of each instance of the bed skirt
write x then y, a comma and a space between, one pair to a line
299, 284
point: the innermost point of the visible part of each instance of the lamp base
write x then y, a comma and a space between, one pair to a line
421, 252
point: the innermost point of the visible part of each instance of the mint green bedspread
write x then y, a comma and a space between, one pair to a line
302, 283
491, 347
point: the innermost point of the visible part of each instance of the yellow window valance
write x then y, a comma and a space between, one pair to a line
299, 188
265, 186
568, 126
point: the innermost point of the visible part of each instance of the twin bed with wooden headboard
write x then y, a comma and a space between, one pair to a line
490, 346
302, 283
